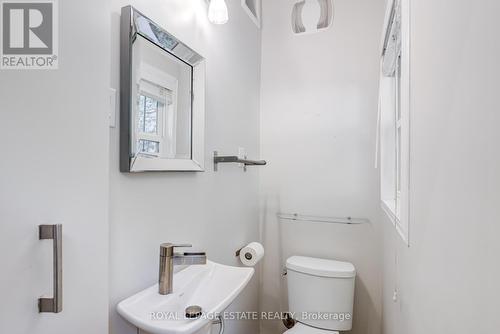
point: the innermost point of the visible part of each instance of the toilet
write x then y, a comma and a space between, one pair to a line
320, 295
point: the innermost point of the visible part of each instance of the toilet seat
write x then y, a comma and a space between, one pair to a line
300, 328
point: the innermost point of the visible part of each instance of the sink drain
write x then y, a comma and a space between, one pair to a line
193, 312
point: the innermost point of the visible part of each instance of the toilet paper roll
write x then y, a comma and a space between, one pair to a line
251, 254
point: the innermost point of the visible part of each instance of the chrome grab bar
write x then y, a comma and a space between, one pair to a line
54, 232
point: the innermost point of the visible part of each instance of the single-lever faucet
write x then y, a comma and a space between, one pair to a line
169, 259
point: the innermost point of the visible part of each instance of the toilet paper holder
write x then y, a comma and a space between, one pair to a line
248, 256
238, 252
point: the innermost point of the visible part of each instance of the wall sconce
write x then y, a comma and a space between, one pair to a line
217, 12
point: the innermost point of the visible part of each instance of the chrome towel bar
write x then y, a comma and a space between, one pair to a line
319, 219
235, 159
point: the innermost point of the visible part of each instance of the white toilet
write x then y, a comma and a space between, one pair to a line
320, 295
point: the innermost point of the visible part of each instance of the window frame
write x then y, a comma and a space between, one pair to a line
158, 136
397, 206
150, 76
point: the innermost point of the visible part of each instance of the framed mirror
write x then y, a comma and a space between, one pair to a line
162, 99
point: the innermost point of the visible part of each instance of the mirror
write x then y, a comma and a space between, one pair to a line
162, 99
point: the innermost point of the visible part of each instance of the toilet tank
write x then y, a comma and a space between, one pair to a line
321, 292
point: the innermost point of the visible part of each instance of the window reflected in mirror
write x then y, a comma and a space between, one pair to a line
162, 115
148, 146
147, 114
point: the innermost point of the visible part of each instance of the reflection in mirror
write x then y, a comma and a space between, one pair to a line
162, 99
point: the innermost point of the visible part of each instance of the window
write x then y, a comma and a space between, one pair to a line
394, 118
148, 146
147, 113
151, 118
397, 125
155, 114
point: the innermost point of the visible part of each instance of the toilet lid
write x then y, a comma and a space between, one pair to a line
321, 267
300, 328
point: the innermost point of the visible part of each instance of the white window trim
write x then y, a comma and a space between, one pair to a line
155, 76
401, 221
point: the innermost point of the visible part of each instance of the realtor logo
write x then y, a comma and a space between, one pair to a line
29, 35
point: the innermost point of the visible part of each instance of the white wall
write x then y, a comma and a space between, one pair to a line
448, 279
54, 170
319, 107
217, 212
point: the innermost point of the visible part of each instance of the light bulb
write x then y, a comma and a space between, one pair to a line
217, 12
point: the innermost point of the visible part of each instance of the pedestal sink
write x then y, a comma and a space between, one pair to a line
211, 286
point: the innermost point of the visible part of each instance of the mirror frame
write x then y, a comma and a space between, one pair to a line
141, 162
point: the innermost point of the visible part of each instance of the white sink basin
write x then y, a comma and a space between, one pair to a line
212, 286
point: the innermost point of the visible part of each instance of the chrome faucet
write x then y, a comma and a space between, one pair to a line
169, 259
